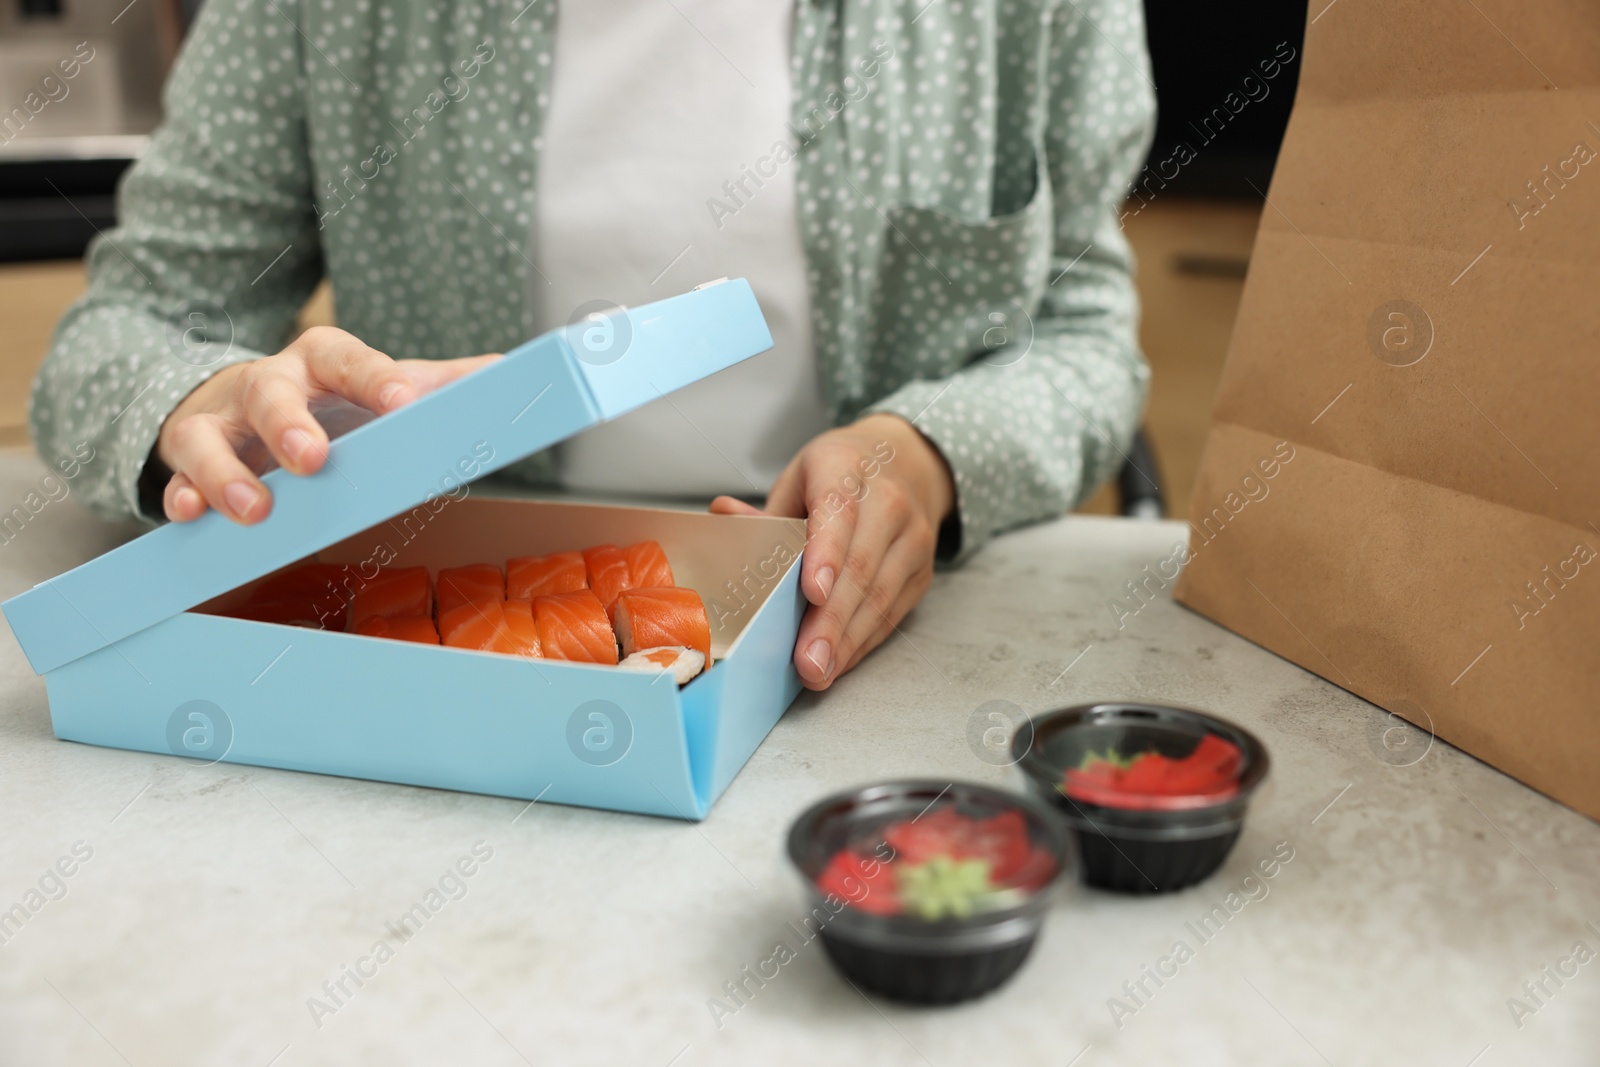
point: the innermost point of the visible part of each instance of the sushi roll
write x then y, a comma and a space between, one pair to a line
523, 627
313, 595
491, 626
401, 591
471, 625
528, 577
476, 581
573, 626
647, 566
682, 663
308, 581
310, 616
608, 572
415, 628
652, 618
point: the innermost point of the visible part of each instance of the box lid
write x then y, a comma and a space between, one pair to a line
541, 393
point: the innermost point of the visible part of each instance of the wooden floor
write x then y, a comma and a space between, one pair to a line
1192, 256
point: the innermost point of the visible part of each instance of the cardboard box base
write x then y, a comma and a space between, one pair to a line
333, 703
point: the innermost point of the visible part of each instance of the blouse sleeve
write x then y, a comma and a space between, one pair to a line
1035, 437
214, 253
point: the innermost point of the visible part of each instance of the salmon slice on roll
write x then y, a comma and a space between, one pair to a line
528, 577
573, 626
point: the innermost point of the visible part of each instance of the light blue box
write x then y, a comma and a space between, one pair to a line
132, 658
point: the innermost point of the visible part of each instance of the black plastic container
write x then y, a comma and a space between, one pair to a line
910, 956
1127, 849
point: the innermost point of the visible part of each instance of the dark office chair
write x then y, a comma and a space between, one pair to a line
1139, 482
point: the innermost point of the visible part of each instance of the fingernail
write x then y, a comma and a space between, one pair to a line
240, 497
187, 500
819, 653
825, 582
390, 394
295, 444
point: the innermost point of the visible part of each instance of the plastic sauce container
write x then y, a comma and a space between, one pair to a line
1144, 825
932, 891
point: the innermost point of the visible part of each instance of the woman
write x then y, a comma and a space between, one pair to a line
922, 193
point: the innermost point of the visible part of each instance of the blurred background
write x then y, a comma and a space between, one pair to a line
1191, 216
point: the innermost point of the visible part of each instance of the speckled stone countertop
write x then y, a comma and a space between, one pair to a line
1431, 912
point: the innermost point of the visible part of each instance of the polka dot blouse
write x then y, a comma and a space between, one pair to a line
959, 164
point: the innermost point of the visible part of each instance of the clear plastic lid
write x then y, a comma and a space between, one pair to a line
1143, 758
929, 852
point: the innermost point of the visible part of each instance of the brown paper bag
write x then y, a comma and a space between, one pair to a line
1401, 486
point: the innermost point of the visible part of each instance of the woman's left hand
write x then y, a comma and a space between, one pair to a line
874, 494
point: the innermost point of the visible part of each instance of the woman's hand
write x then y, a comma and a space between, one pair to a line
874, 494
248, 417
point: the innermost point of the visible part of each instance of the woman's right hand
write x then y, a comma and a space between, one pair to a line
252, 416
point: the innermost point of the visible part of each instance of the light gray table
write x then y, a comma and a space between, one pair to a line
218, 900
